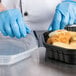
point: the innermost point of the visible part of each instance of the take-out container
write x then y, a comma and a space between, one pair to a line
13, 50
59, 53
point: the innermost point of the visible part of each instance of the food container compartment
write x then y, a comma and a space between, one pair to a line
58, 53
13, 50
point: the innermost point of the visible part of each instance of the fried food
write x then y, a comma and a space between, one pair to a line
63, 45
73, 43
63, 38
72, 33
60, 44
59, 36
73, 38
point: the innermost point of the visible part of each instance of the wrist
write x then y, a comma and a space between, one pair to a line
2, 7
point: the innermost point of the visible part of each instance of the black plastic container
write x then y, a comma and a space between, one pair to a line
59, 53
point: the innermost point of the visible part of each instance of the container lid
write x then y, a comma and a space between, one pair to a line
16, 48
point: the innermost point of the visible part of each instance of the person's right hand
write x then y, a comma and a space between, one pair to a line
12, 24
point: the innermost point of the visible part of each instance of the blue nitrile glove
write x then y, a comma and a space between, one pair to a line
65, 14
12, 24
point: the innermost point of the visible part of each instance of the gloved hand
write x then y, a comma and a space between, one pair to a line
65, 14
12, 24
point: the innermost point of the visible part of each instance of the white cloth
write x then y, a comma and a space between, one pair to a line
40, 12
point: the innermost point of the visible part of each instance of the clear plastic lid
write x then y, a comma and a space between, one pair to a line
13, 46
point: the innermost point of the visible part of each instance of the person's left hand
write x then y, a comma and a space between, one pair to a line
65, 14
